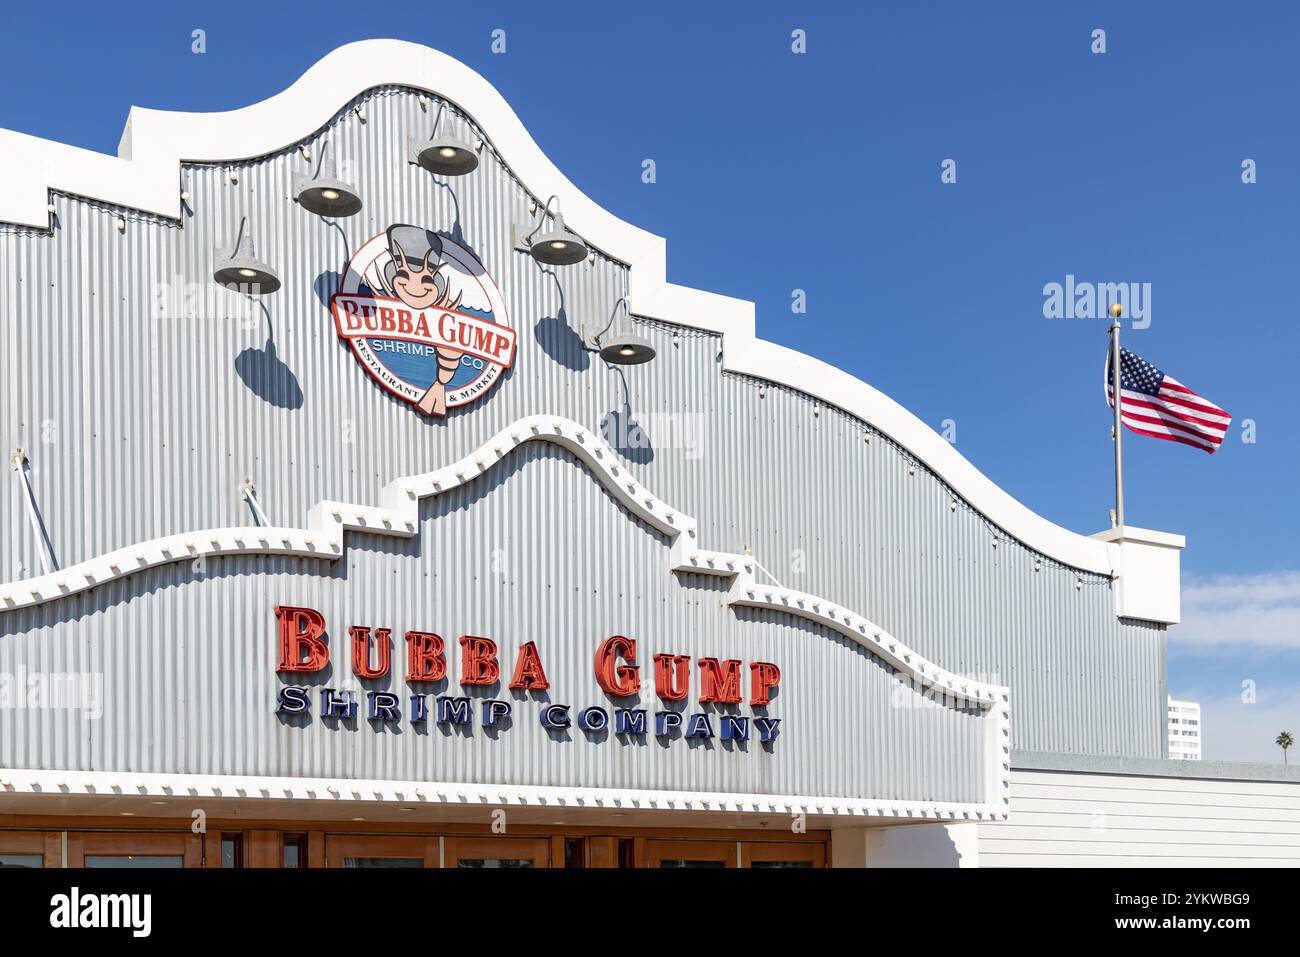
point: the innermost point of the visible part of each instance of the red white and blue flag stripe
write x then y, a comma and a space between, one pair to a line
1158, 405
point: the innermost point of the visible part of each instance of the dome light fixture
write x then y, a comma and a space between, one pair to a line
241, 271
625, 349
558, 247
326, 194
445, 155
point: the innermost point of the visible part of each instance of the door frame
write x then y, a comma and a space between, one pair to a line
659, 850
339, 846
44, 843
751, 851
184, 844
536, 849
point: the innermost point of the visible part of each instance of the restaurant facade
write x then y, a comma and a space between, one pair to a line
376, 501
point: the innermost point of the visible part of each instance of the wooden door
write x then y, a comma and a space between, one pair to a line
763, 854
690, 854
380, 851
133, 849
497, 852
30, 849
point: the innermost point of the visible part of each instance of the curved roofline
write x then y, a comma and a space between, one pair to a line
145, 176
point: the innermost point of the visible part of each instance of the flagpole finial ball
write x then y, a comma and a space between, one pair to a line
1116, 310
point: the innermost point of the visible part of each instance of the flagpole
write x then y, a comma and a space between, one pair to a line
1116, 311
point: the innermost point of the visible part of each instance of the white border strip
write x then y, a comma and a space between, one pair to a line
145, 176
233, 787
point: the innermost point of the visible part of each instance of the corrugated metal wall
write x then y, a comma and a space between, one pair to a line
145, 397
189, 658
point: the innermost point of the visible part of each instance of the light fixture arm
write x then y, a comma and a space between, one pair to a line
320, 160
541, 218
622, 301
437, 118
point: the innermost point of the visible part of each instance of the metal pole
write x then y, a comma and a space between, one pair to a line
1115, 381
48, 562
249, 493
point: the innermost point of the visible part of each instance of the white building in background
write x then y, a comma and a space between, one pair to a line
1184, 730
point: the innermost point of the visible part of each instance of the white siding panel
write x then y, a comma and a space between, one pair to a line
1072, 819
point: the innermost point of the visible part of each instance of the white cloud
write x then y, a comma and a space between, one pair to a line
1232, 730
1261, 610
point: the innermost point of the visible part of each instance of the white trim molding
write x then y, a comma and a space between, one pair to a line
1149, 578
398, 514
26, 781
145, 176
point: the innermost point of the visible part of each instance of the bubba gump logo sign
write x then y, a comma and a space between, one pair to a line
424, 319
304, 650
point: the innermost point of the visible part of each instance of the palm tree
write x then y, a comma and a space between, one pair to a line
1284, 741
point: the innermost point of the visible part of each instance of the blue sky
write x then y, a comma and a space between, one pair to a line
821, 172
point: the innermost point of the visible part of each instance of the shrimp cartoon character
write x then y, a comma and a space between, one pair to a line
424, 318
414, 275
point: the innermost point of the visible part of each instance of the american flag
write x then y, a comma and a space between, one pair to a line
1159, 405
